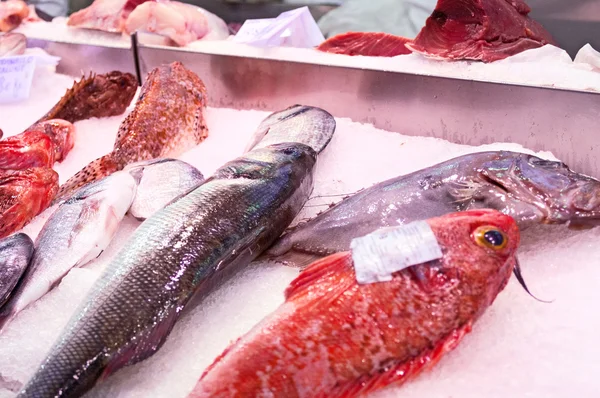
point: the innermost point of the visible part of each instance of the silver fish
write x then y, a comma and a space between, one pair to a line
292, 124
12, 44
529, 189
161, 181
179, 253
15, 253
75, 234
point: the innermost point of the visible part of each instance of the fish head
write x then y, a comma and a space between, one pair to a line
479, 247
534, 190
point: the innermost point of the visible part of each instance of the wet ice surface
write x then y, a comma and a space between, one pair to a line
519, 348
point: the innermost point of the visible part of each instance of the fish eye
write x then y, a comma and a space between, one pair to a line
490, 237
289, 151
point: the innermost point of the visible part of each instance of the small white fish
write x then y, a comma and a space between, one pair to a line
161, 181
75, 234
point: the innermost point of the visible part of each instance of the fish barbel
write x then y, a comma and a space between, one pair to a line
15, 254
23, 195
76, 233
529, 189
167, 120
179, 252
336, 337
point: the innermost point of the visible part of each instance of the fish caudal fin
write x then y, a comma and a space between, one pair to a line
403, 371
94, 171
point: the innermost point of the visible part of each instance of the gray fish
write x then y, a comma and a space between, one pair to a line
161, 181
179, 252
292, 124
15, 253
12, 44
75, 234
529, 189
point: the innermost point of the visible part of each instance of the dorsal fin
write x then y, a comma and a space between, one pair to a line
69, 94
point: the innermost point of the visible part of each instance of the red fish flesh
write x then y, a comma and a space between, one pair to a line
12, 13
367, 44
23, 195
486, 30
106, 15
334, 337
39, 146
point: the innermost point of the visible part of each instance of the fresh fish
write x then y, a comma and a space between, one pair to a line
167, 120
334, 337
526, 187
12, 44
179, 252
291, 125
106, 15
161, 181
23, 195
12, 13
370, 44
75, 234
15, 254
95, 96
39, 146
182, 23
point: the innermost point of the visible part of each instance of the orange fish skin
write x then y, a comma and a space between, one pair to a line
167, 120
23, 195
335, 338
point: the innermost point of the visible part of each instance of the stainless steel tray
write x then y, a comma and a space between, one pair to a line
462, 111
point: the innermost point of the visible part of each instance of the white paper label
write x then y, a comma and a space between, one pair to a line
378, 255
16, 74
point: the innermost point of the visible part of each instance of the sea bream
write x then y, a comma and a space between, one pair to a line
530, 189
180, 252
76, 233
340, 336
15, 254
167, 120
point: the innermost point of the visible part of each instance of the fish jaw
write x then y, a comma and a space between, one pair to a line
334, 337
15, 253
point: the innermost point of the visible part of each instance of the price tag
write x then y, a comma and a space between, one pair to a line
16, 75
378, 255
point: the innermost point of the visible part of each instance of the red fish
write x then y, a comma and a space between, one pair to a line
23, 195
372, 44
39, 146
486, 30
334, 337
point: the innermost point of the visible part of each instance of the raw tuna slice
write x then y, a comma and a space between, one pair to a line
486, 30
366, 43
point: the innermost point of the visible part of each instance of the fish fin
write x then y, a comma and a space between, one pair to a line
143, 346
94, 171
331, 265
398, 373
68, 96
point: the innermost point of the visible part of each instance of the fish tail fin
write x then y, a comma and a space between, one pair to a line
94, 171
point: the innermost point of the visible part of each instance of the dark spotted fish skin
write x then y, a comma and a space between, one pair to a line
178, 253
95, 96
167, 120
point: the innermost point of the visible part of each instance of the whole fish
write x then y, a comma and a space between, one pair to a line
15, 254
277, 126
75, 234
95, 96
523, 186
166, 121
12, 44
23, 195
161, 181
179, 252
336, 337
41, 145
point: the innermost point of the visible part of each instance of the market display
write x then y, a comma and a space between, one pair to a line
166, 121
530, 189
15, 254
335, 337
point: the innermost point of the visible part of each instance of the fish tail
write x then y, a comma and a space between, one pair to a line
94, 171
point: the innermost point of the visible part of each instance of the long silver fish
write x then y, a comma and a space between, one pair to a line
178, 253
15, 253
76, 233
161, 181
529, 189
